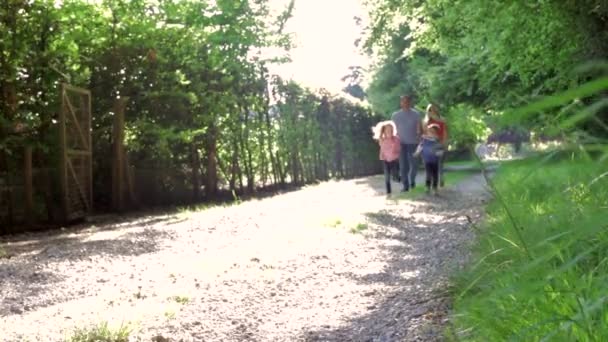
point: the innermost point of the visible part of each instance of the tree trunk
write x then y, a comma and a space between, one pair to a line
245, 147
211, 149
118, 163
240, 174
233, 170
280, 172
265, 117
295, 171
29, 190
274, 162
263, 161
196, 179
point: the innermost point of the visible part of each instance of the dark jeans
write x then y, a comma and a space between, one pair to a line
388, 168
408, 165
432, 174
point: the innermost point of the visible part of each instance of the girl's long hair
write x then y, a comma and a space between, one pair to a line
378, 130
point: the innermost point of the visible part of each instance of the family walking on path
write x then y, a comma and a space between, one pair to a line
405, 138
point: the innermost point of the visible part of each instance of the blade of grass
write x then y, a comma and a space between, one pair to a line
500, 199
582, 91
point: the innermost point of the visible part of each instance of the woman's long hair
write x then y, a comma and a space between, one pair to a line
430, 107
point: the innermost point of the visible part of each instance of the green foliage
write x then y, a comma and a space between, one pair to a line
359, 228
466, 125
101, 333
488, 56
320, 136
203, 113
557, 290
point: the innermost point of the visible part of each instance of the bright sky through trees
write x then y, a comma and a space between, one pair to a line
325, 33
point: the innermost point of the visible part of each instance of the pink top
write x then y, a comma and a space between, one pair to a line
390, 148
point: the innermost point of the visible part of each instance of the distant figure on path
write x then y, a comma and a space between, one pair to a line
409, 130
483, 151
390, 147
433, 117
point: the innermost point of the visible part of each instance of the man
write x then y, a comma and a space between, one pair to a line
409, 129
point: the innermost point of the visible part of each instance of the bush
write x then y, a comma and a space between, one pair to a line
466, 126
542, 257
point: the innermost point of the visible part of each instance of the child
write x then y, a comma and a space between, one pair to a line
433, 117
432, 150
390, 147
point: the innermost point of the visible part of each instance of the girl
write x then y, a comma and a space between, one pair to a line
432, 151
390, 147
434, 118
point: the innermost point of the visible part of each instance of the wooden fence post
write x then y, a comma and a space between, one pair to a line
118, 188
28, 188
63, 159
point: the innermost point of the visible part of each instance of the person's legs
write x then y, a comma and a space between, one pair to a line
429, 176
404, 166
387, 176
395, 171
412, 163
434, 167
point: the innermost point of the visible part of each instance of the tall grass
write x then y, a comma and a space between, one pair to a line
540, 271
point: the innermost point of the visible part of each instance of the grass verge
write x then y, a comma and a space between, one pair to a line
3, 253
540, 265
451, 178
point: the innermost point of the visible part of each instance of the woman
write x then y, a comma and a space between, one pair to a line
433, 117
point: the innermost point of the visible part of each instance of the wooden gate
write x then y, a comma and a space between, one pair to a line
76, 169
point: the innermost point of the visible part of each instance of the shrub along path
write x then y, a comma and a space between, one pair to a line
337, 261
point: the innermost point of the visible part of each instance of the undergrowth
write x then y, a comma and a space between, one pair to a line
540, 265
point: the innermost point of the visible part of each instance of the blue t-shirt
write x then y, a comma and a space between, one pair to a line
407, 123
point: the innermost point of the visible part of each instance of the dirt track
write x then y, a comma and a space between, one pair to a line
333, 262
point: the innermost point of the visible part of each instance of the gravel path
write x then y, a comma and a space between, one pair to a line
332, 262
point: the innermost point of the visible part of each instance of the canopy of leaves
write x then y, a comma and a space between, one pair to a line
492, 55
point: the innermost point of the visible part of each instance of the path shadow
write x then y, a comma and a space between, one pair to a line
422, 250
21, 281
82, 248
28, 243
